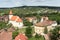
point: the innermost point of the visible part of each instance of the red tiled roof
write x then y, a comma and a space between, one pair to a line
21, 37
19, 20
16, 18
13, 18
5, 35
44, 23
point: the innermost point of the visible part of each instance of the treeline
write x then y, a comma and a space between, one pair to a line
27, 10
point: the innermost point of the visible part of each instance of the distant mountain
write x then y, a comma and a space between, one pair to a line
28, 9
50, 7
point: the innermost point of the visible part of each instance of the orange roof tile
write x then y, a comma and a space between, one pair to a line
13, 18
16, 18
44, 23
19, 20
21, 37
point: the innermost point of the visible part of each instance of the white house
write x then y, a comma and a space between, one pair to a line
39, 27
16, 21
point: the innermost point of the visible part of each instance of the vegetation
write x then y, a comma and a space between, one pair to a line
29, 32
55, 34
33, 11
4, 25
27, 23
45, 30
37, 37
15, 33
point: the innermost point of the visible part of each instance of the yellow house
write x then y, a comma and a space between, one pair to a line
39, 27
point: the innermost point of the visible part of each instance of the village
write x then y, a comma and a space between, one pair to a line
27, 28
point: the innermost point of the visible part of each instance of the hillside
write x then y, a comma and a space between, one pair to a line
30, 9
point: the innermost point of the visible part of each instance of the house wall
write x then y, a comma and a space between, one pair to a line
50, 28
34, 21
16, 24
20, 24
39, 30
10, 16
30, 20
54, 24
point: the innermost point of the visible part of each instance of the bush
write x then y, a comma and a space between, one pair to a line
45, 30
55, 33
28, 32
39, 37
27, 23
15, 33
4, 25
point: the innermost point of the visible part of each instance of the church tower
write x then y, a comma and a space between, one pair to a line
10, 14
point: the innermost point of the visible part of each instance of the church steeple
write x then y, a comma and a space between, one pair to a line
10, 13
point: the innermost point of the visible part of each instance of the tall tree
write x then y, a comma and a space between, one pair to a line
28, 32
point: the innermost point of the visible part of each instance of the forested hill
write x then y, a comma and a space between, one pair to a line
50, 7
30, 9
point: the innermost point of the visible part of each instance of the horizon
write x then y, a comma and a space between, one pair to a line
19, 3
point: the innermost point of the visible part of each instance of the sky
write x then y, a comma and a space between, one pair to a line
16, 3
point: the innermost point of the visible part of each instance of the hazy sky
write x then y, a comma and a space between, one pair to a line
14, 3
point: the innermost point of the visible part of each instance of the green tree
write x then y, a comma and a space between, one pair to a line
15, 33
28, 32
55, 33
3, 25
39, 37
27, 23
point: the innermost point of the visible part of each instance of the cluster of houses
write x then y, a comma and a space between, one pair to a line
45, 22
16, 21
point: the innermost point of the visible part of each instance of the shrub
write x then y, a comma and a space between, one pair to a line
55, 33
15, 33
28, 32
39, 37
27, 23
45, 30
